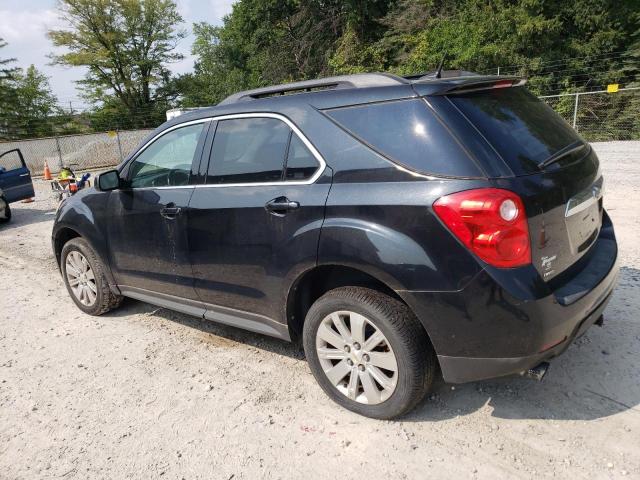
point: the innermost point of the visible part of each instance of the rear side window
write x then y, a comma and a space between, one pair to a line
301, 164
408, 133
523, 130
248, 150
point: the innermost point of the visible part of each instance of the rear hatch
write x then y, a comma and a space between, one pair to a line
554, 171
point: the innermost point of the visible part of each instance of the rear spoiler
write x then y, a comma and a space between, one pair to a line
466, 85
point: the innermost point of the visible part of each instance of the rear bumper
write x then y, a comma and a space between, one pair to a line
469, 369
503, 323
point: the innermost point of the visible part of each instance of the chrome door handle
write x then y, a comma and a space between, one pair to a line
170, 212
281, 205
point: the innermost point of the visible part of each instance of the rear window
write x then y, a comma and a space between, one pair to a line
523, 129
408, 133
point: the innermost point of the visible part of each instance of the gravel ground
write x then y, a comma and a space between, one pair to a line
145, 392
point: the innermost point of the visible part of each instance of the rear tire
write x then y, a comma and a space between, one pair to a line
84, 277
368, 352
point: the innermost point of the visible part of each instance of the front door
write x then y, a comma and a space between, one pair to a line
15, 178
147, 223
255, 225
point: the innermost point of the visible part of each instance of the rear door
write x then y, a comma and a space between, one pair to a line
15, 178
255, 224
555, 172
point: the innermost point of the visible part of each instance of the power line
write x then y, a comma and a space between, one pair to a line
612, 55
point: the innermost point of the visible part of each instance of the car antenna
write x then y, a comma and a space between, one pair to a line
440, 65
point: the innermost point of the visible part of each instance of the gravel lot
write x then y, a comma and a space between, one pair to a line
145, 393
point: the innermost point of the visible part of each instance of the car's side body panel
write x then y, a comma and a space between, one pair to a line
146, 249
243, 255
388, 229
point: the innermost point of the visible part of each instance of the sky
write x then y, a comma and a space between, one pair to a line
24, 23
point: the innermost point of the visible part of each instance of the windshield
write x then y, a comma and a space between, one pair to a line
524, 130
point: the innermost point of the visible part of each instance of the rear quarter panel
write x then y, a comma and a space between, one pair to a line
389, 230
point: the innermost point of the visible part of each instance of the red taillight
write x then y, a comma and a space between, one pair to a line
491, 222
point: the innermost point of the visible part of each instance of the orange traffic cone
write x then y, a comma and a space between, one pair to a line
47, 172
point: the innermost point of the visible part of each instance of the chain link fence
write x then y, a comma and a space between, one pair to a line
79, 152
598, 116
601, 116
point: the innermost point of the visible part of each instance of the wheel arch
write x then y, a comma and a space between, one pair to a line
315, 282
65, 233
60, 237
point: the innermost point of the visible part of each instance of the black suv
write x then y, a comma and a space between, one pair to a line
396, 226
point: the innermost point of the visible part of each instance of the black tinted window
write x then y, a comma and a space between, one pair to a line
248, 150
524, 130
409, 133
301, 164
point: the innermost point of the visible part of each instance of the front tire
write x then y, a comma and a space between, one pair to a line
368, 352
84, 277
5, 211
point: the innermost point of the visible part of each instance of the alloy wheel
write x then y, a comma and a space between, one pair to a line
81, 278
356, 357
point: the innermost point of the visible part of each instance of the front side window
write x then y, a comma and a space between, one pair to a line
167, 161
248, 150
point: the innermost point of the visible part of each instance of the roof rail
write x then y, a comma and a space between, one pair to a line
360, 80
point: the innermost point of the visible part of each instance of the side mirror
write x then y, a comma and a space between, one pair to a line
108, 181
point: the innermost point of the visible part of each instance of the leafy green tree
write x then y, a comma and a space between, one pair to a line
6, 89
125, 46
265, 42
559, 45
5, 70
32, 109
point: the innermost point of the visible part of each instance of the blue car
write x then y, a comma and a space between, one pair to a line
15, 181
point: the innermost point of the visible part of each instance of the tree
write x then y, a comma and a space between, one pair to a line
126, 46
560, 45
6, 87
5, 70
32, 110
264, 42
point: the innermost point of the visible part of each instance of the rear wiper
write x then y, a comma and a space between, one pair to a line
568, 150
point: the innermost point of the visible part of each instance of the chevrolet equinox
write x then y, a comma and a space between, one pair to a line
396, 227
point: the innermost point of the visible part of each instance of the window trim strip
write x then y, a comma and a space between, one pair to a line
322, 165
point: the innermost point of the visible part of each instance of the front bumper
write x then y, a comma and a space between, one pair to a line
499, 326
